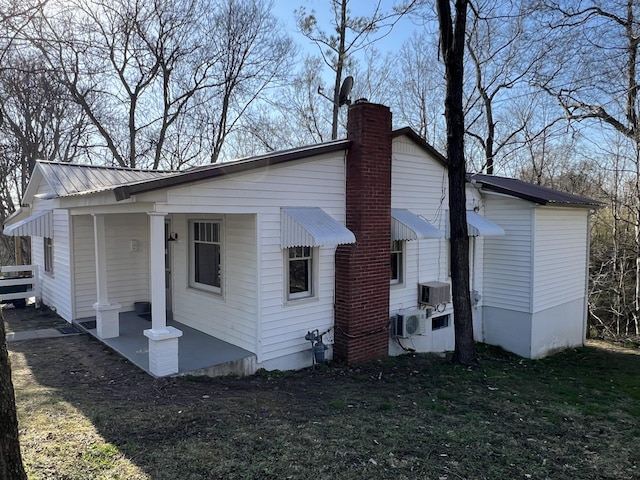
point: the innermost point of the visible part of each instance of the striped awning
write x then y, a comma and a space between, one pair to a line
311, 227
406, 225
39, 224
478, 226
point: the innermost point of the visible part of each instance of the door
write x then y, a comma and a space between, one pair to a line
168, 240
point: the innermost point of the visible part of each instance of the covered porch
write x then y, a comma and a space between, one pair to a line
199, 353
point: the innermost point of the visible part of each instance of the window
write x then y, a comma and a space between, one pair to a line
299, 272
397, 247
439, 322
48, 255
205, 256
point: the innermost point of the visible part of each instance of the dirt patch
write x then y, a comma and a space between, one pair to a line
30, 318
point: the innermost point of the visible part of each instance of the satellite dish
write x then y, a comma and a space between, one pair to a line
345, 90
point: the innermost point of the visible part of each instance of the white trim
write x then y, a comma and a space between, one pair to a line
192, 280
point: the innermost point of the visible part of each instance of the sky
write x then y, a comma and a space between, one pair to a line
284, 9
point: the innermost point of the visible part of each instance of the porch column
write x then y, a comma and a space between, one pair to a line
163, 339
107, 313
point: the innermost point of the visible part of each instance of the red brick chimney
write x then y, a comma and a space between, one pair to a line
363, 269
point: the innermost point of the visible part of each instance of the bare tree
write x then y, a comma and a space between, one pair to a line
254, 57
350, 34
595, 80
419, 89
149, 74
452, 42
503, 54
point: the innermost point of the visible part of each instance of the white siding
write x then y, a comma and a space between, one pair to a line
127, 271
230, 316
508, 259
560, 256
56, 286
419, 184
253, 271
84, 266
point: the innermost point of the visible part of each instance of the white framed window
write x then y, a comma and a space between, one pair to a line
48, 255
397, 262
205, 254
299, 272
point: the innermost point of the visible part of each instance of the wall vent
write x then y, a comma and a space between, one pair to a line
434, 293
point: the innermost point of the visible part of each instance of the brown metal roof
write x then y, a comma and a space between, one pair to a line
530, 192
220, 169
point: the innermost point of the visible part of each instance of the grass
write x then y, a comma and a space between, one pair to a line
86, 413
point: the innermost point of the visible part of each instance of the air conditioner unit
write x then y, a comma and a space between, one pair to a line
409, 322
433, 293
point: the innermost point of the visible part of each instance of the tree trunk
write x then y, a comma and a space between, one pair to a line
452, 40
11, 466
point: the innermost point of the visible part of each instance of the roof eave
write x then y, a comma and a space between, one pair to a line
124, 192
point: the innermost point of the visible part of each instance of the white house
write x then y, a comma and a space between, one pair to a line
347, 238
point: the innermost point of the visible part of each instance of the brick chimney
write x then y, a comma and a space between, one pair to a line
363, 269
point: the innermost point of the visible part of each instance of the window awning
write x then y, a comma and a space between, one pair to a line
478, 226
311, 227
406, 225
37, 225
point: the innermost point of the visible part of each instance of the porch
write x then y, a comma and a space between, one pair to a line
198, 353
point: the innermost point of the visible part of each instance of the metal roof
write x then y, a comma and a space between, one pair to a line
478, 226
67, 179
530, 192
39, 224
406, 225
311, 227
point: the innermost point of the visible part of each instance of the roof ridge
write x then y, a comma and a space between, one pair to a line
105, 167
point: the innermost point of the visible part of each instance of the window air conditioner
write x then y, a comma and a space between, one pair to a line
409, 322
433, 293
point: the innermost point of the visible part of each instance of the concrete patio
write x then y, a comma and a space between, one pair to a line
198, 353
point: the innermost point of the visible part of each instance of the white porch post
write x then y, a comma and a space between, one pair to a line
107, 314
163, 339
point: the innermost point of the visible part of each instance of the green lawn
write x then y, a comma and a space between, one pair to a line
86, 413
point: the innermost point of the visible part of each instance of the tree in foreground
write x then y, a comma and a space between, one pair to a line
452, 42
10, 459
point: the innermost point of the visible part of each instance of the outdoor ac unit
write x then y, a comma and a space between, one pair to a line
433, 293
409, 322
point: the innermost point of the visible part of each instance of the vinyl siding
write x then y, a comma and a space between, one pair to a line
56, 286
560, 253
127, 271
508, 273
253, 271
419, 184
84, 266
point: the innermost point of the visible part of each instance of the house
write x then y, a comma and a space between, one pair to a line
347, 239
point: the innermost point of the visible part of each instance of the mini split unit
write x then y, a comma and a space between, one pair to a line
409, 322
